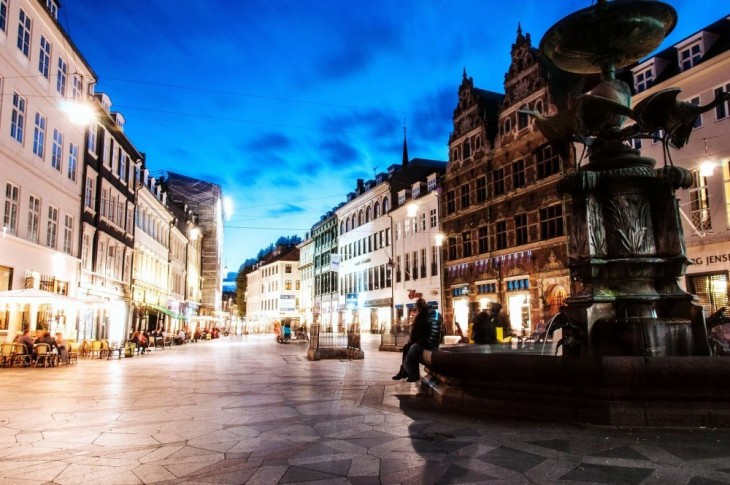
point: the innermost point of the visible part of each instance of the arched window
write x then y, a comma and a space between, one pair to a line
376, 210
386, 206
342, 227
347, 224
359, 218
522, 118
507, 126
367, 214
538, 106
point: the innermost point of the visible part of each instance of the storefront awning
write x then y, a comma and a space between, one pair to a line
167, 311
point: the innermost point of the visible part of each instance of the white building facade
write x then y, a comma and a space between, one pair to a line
42, 72
274, 290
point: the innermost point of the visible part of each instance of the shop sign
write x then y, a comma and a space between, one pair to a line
710, 259
414, 294
287, 303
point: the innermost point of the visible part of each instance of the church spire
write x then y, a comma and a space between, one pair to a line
405, 146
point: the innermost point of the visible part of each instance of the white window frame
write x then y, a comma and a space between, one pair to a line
24, 28
61, 77
12, 207
39, 134
17, 122
68, 231
73, 160
52, 229
644, 79
4, 15
34, 218
694, 53
57, 150
44, 57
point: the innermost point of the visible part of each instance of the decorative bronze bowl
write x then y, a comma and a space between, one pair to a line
608, 35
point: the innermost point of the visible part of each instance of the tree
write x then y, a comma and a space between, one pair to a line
241, 283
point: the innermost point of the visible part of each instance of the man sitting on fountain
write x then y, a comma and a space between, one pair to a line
425, 334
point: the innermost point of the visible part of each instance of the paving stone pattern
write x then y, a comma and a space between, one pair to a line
248, 410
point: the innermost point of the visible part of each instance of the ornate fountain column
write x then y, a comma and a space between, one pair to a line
626, 245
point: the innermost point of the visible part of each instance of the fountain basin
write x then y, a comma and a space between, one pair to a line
608, 390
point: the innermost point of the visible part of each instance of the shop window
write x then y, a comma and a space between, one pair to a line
711, 290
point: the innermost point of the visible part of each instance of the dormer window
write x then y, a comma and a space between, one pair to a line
416, 190
644, 79
401, 198
52, 7
432, 184
690, 56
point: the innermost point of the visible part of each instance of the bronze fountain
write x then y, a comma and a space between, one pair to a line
642, 356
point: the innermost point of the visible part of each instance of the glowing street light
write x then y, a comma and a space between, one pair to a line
78, 112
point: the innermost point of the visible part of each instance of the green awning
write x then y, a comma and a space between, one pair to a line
167, 311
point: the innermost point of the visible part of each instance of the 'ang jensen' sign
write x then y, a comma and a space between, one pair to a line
710, 259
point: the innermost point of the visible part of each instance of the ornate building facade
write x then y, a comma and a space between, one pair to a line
503, 220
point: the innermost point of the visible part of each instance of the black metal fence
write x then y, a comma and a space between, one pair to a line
397, 337
319, 339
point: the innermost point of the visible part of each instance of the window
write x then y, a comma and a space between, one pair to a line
287, 268
122, 167
711, 289
635, 143
434, 260
551, 221
4, 15
452, 249
52, 227
61, 77
10, 217
92, 138
521, 229
450, 202
77, 86
722, 110
52, 7
465, 199
481, 189
73, 158
466, 244
44, 58
423, 221
89, 193
398, 269
434, 218
699, 209
34, 218
39, 134
24, 33
466, 148
57, 150
432, 182
690, 56
698, 121
548, 162
522, 119
482, 241
386, 206
17, 122
501, 234
407, 267
287, 285
68, 230
498, 181
518, 174
368, 214
507, 127
376, 210
644, 80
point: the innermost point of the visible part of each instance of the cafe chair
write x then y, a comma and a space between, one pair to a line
43, 355
21, 357
6, 354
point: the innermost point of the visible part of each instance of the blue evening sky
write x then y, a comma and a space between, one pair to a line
285, 103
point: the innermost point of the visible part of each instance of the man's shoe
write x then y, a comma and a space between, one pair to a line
398, 377
413, 379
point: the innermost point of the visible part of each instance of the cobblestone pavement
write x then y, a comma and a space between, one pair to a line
248, 410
